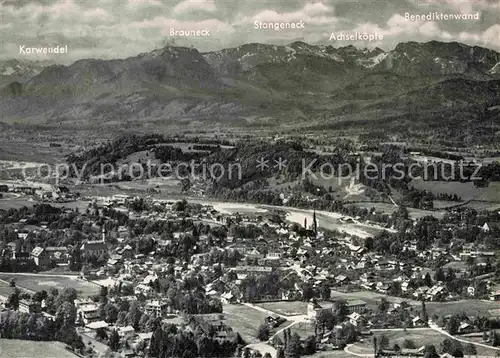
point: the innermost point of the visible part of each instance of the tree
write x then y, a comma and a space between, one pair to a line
66, 315
481, 289
341, 310
292, 345
396, 348
151, 324
66, 295
369, 243
246, 352
423, 313
495, 339
40, 296
447, 346
156, 343
121, 319
325, 319
430, 351
348, 333
428, 280
470, 261
263, 332
276, 341
134, 315
470, 349
325, 292
280, 353
409, 344
13, 299
310, 345
384, 305
114, 340
485, 336
307, 292
100, 334
384, 342
143, 322
180, 205
395, 289
205, 346
452, 325
439, 275
110, 312
103, 293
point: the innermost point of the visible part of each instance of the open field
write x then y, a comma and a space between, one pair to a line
188, 147
466, 191
36, 282
168, 188
31, 151
60, 270
286, 308
476, 337
390, 208
15, 203
246, 320
5, 288
341, 187
470, 307
19, 202
444, 204
16, 348
482, 205
456, 265
170, 185
331, 354
420, 337
372, 299
230, 208
303, 329
495, 312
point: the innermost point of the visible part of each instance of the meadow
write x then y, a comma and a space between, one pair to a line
37, 282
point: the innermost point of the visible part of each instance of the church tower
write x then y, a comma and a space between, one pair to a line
315, 223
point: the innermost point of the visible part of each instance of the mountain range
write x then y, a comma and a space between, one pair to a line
17, 70
252, 83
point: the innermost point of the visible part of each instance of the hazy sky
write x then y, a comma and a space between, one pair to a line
123, 28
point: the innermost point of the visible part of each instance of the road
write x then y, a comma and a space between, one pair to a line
435, 327
348, 351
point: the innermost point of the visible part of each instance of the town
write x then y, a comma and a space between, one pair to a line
132, 275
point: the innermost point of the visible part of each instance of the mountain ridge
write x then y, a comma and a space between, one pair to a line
249, 80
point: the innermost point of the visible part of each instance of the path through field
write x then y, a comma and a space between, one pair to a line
264, 347
442, 331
